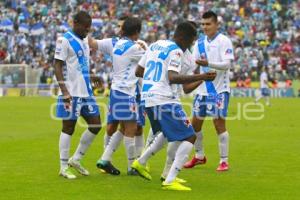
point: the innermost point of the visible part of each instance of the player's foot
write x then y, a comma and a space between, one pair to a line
76, 164
142, 170
174, 186
179, 180
67, 173
195, 161
223, 166
106, 166
132, 172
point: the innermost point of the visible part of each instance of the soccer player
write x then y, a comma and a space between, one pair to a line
114, 136
76, 95
160, 68
264, 87
214, 50
123, 108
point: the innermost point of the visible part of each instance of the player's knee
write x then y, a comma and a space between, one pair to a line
139, 131
111, 129
68, 130
191, 139
95, 130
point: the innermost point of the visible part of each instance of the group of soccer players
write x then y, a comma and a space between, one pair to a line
145, 80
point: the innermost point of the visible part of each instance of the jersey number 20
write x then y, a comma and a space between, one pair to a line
153, 71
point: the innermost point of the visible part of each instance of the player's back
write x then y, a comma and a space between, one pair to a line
161, 56
126, 54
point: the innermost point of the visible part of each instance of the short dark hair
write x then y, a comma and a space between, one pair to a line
185, 30
82, 17
131, 26
210, 14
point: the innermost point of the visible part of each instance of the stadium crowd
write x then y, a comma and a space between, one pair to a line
265, 33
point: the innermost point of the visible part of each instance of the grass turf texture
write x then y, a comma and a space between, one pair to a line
264, 158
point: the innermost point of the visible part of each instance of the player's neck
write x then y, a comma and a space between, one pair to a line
76, 34
212, 36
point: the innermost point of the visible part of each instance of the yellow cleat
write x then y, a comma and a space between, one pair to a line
174, 186
142, 170
179, 180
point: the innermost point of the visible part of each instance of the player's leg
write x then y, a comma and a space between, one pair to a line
69, 119
116, 136
181, 157
111, 128
139, 141
68, 127
152, 149
176, 127
139, 136
150, 137
259, 96
199, 113
223, 135
130, 129
90, 113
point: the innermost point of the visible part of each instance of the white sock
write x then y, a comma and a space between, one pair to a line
139, 145
223, 146
267, 101
64, 148
130, 150
181, 157
199, 145
85, 141
106, 140
172, 148
150, 138
114, 143
154, 147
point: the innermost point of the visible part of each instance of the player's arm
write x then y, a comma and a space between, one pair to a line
223, 65
58, 70
139, 72
92, 43
61, 54
176, 78
189, 87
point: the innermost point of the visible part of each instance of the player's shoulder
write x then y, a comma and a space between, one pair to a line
62, 41
224, 38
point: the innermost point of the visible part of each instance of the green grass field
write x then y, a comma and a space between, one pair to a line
264, 158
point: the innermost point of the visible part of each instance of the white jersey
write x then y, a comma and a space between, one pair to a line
126, 54
263, 79
161, 56
78, 84
218, 49
106, 45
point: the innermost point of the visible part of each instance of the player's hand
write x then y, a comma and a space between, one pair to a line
67, 99
210, 76
142, 45
96, 81
202, 62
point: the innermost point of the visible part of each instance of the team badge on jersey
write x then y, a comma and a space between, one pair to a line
228, 51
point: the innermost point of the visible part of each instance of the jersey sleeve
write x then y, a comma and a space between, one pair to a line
226, 50
105, 46
137, 53
175, 61
195, 51
61, 49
